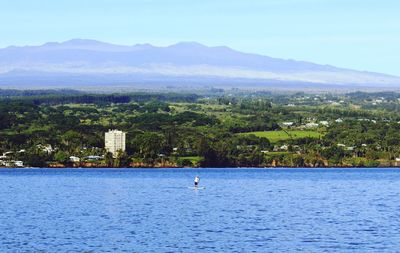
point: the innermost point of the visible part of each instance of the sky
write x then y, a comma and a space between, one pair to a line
357, 34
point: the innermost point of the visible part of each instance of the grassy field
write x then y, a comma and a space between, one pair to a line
275, 136
191, 158
195, 160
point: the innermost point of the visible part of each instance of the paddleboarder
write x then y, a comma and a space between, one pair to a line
196, 181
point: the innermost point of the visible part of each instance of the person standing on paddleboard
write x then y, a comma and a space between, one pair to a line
196, 181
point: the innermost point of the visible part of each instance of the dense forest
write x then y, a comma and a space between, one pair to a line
224, 129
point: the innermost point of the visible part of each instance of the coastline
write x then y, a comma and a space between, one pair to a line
232, 168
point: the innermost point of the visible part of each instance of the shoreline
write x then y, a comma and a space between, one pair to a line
194, 168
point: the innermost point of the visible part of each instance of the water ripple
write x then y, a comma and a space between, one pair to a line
250, 210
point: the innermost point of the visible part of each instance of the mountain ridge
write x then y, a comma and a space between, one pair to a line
183, 59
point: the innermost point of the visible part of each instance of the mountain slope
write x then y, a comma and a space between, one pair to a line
87, 59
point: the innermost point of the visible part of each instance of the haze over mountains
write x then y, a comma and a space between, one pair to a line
81, 63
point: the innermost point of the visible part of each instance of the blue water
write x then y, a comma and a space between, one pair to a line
241, 210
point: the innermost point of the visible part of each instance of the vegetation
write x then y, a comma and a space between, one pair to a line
282, 135
66, 128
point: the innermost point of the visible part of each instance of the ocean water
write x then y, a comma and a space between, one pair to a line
240, 210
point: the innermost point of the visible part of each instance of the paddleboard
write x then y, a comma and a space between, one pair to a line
197, 188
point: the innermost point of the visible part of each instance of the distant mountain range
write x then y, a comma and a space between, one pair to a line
77, 63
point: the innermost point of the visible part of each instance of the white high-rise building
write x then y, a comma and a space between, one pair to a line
115, 141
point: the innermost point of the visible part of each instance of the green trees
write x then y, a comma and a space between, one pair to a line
233, 151
71, 140
109, 159
209, 154
34, 157
170, 127
61, 157
184, 163
122, 160
149, 146
196, 119
6, 120
298, 161
334, 155
155, 106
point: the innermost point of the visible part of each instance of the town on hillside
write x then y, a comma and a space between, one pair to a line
214, 128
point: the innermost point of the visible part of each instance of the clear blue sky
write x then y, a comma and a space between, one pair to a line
359, 34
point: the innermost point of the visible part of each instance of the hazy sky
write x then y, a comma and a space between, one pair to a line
359, 34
